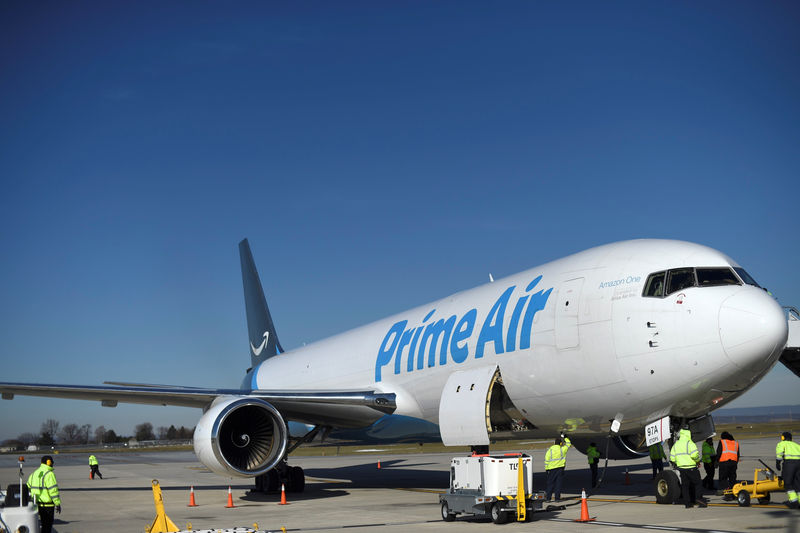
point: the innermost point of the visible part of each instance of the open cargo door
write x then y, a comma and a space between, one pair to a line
475, 407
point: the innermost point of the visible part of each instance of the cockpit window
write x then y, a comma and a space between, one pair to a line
654, 287
711, 277
746, 277
680, 278
660, 284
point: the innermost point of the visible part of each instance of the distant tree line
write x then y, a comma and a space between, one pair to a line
52, 433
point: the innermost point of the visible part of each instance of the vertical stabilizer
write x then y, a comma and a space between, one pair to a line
263, 338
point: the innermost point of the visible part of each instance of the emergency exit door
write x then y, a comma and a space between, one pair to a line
569, 298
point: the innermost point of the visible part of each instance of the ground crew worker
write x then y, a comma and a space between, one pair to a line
788, 452
555, 461
657, 458
728, 453
95, 467
593, 454
709, 463
685, 456
43, 485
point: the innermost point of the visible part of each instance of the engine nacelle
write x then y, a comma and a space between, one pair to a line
620, 447
242, 437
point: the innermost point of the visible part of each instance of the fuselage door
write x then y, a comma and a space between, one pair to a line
569, 297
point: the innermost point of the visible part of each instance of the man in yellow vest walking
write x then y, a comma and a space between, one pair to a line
788, 453
555, 461
95, 467
685, 456
43, 485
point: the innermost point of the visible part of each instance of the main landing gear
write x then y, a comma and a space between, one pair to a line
292, 478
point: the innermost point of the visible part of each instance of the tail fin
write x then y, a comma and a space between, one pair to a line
263, 338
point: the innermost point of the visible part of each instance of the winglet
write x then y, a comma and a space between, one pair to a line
263, 338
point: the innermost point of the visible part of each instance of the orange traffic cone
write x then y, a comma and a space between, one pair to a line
191, 498
584, 509
230, 498
627, 477
379, 464
283, 496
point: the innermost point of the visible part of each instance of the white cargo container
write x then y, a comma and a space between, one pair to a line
489, 484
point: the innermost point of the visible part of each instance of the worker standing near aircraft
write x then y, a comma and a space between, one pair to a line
593, 454
709, 463
788, 452
95, 467
728, 453
657, 458
43, 485
555, 461
685, 456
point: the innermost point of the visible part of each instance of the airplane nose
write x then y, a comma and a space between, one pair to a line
752, 327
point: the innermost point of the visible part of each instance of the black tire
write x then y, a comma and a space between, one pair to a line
297, 479
764, 500
271, 482
266, 482
447, 516
668, 487
498, 515
743, 498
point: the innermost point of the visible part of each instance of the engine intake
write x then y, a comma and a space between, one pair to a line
242, 437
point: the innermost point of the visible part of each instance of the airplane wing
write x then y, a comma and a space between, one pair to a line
329, 407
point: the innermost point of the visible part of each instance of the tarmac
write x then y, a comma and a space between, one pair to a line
351, 493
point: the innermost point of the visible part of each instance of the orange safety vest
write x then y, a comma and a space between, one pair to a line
730, 451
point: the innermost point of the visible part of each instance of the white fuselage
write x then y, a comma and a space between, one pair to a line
576, 341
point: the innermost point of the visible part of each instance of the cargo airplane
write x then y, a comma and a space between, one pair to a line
597, 344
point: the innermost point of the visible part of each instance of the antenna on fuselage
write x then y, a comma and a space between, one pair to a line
491, 279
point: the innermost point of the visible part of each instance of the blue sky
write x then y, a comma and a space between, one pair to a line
377, 155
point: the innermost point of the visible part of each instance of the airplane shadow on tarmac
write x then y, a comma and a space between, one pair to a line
389, 476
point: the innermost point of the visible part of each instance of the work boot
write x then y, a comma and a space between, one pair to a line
703, 503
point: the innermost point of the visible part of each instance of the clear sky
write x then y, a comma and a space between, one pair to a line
378, 155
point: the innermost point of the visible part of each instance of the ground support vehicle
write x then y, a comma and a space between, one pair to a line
759, 488
500, 486
15, 517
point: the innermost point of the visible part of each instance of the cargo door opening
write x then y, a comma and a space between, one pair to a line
475, 408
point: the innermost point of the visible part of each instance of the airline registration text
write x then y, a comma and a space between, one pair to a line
453, 336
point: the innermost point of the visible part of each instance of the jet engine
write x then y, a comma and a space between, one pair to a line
620, 447
242, 437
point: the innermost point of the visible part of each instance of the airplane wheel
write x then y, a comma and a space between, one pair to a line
743, 498
297, 479
447, 516
267, 482
272, 483
764, 500
498, 515
668, 487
